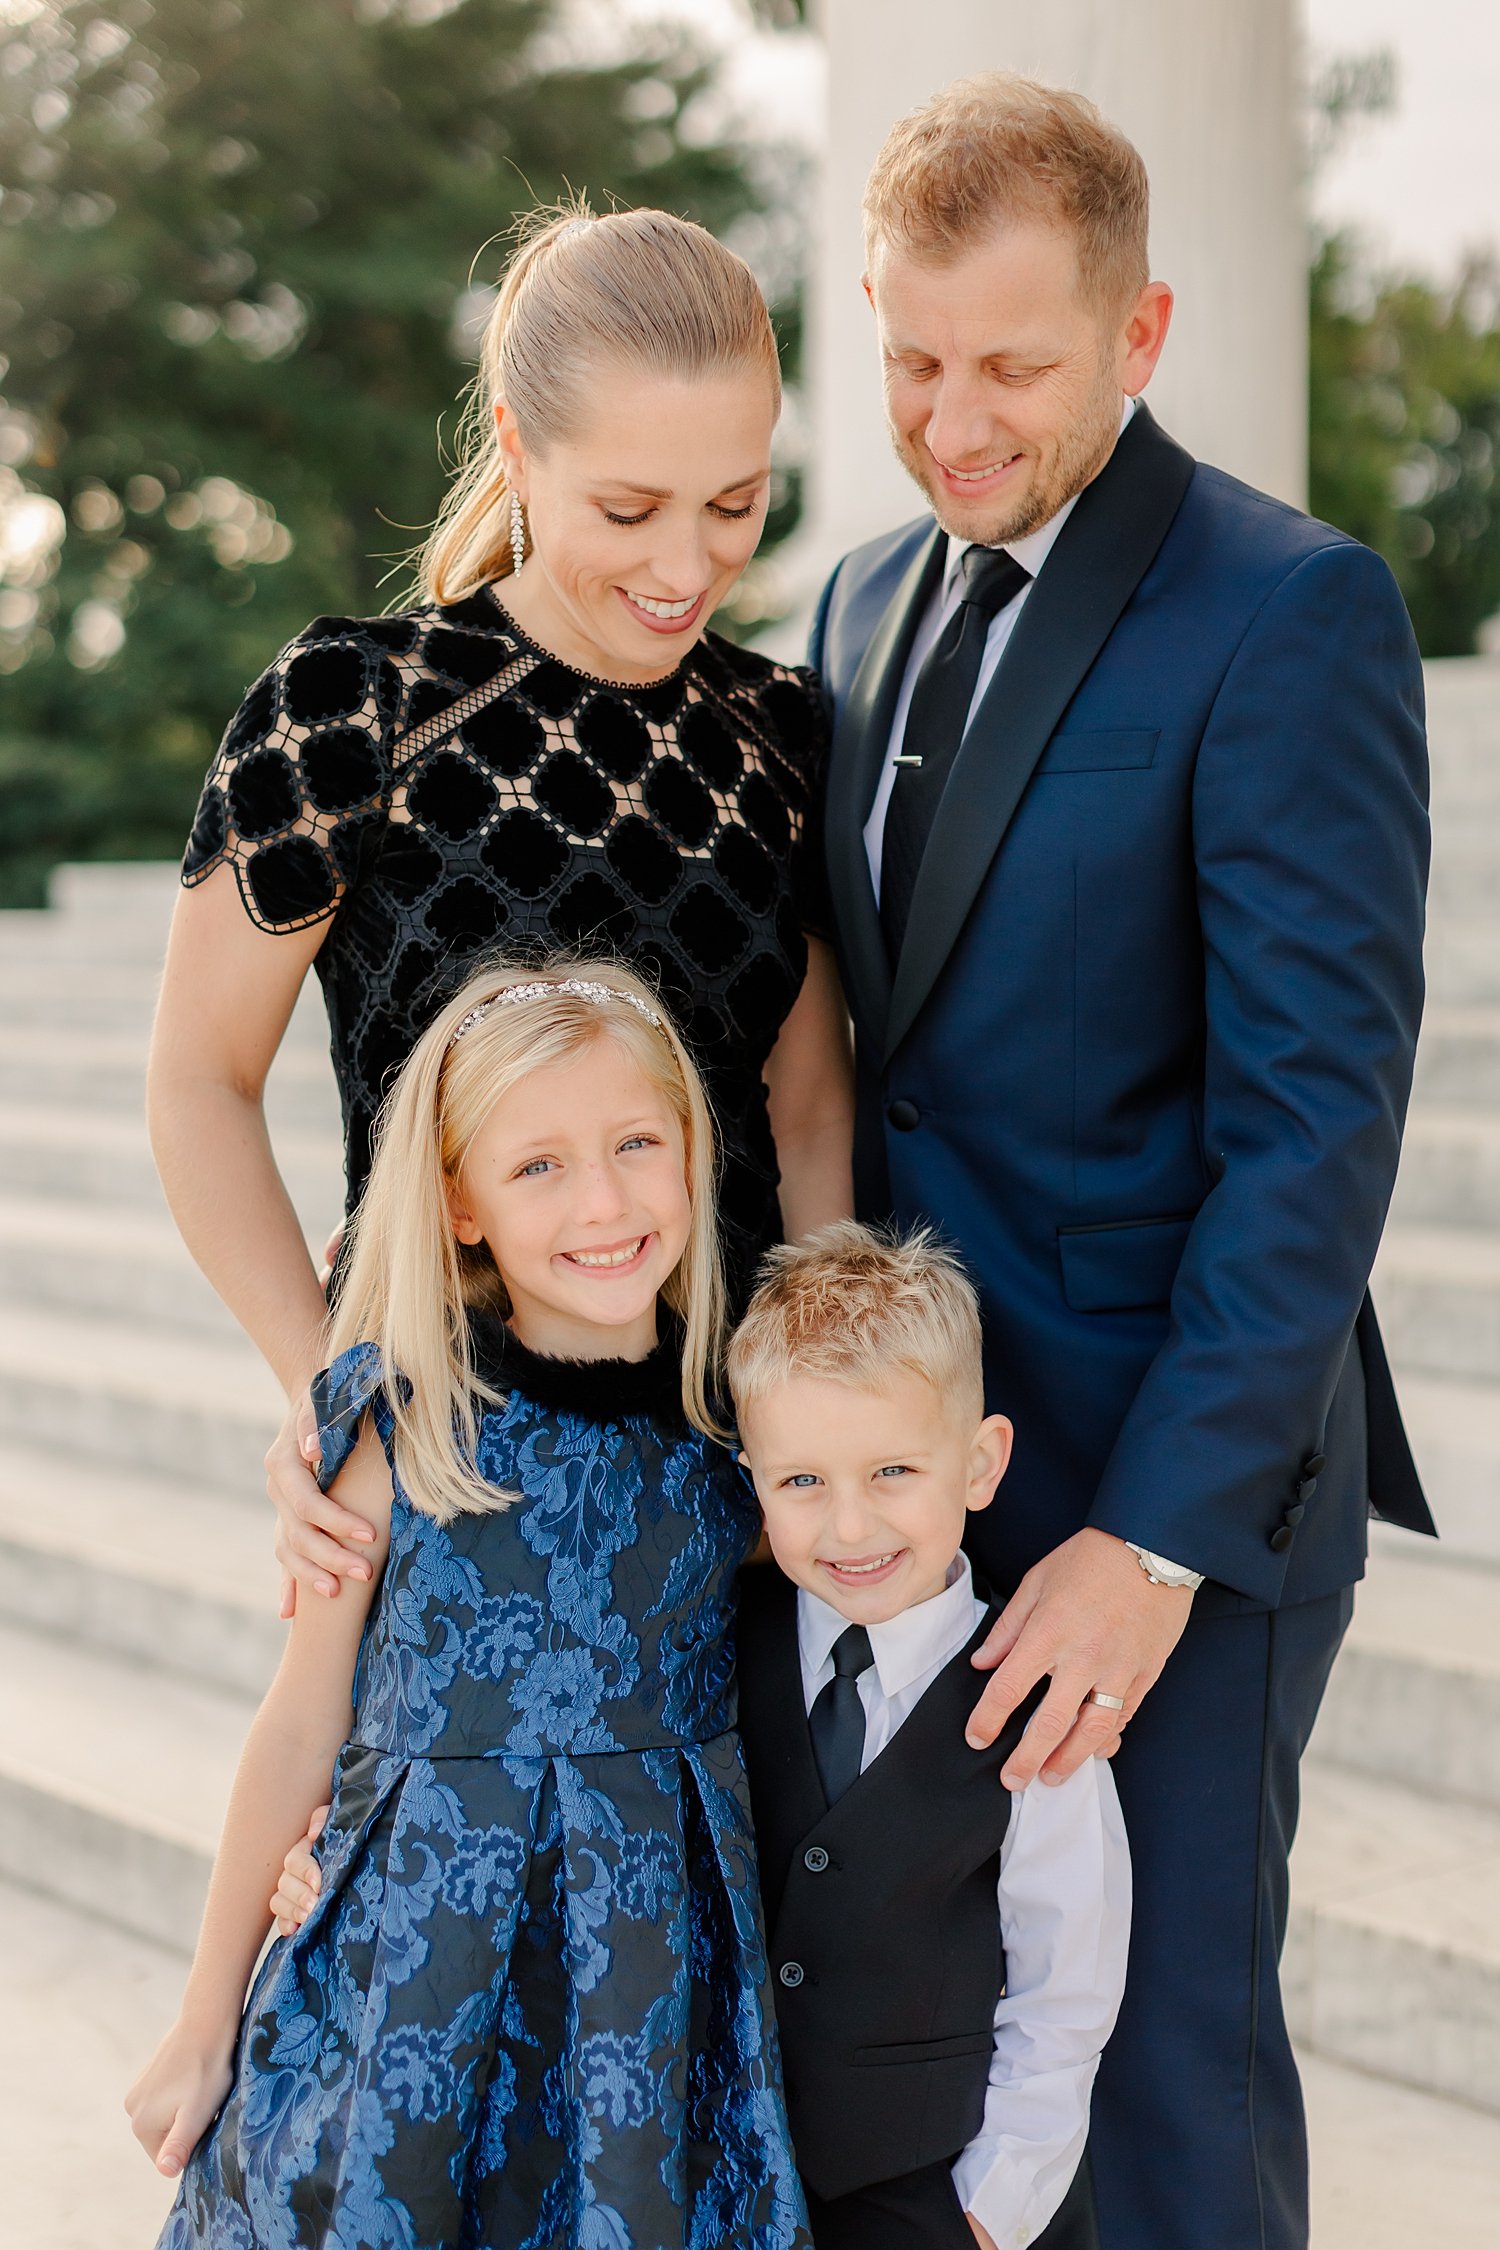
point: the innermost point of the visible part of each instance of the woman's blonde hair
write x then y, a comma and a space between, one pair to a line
409, 1284
584, 296
856, 1304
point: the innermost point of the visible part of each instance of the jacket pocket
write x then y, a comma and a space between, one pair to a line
929, 2050
1121, 1268
1087, 751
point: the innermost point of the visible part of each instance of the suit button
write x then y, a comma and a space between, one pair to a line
1313, 1464
1281, 1538
1295, 1514
904, 1115
791, 1974
815, 1859
1307, 1488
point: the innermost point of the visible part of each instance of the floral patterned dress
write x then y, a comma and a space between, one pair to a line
529, 2010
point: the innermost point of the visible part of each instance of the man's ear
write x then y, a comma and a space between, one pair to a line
864, 283
989, 1459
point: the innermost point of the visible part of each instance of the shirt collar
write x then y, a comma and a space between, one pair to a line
1032, 550
905, 1647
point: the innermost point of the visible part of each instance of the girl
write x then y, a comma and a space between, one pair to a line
530, 2007
548, 747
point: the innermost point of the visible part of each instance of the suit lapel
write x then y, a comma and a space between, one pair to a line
860, 741
1103, 551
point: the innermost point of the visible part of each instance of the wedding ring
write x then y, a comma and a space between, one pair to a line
1105, 1702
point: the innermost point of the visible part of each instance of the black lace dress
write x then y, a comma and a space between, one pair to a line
673, 825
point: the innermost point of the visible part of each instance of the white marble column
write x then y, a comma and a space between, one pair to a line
1207, 89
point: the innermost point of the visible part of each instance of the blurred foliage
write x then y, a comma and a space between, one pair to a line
1404, 399
236, 306
1405, 435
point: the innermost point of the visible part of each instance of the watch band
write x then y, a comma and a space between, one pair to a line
1164, 1573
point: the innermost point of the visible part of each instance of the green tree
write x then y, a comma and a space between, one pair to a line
235, 295
1404, 400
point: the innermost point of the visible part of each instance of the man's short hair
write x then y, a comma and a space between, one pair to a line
991, 150
856, 1305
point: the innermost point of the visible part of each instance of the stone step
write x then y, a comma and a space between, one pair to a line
1458, 1059
127, 1264
1450, 1169
1437, 1290
1455, 1434
113, 1782
83, 1156
105, 1072
1393, 1952
138, 1567
1463, 961
1415, 1694
183, 1407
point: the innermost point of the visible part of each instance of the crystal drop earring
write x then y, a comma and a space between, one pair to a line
517, 535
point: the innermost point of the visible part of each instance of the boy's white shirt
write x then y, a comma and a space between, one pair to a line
1064, 1906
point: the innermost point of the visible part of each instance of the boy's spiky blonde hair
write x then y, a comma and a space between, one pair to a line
855, 1304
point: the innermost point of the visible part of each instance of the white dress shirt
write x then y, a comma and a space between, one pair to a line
1030, 552
1064, 1906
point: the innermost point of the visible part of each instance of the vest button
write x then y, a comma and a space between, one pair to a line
1282, 1537
791, 1974
904, 1115
815, 1859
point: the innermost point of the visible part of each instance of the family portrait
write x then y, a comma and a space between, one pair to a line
829, 1454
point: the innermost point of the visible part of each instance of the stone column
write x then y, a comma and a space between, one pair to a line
1207, 89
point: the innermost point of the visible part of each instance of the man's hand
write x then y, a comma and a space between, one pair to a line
1089, 1616
300, 1880
314, 1535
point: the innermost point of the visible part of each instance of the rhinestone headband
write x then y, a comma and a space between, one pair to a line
579, 988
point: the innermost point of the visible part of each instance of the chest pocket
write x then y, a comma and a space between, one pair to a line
1109, 751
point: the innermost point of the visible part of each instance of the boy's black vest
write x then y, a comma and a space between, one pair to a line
885, 1943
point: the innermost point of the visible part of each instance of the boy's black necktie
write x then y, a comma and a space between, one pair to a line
934, 729
837, 1719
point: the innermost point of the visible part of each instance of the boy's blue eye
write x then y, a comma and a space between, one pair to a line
802, 1481
894, 1469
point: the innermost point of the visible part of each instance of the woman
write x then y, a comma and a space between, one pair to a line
550, 748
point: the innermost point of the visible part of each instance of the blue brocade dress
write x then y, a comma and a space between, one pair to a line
529, 2010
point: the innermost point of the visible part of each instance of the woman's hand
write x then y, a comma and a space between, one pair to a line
300, 1880
316, 1539
985, 2241
177, 2097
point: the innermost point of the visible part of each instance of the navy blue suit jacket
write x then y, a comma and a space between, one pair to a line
1146, 1054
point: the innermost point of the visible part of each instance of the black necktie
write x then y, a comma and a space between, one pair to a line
935, 725
837, 1719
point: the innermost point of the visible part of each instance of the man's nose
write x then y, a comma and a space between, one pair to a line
960, 429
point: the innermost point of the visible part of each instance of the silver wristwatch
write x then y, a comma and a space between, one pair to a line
1164, 1573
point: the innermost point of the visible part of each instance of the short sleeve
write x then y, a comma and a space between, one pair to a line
340, 1395
797, 711
299, 793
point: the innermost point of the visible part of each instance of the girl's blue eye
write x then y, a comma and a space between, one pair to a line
640, 1140
537, 1165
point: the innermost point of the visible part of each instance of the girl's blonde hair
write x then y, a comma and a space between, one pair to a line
583, 297
409, 1284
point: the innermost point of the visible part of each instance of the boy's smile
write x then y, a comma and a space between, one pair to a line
865, 1492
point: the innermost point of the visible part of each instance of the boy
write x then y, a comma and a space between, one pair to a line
948, 1958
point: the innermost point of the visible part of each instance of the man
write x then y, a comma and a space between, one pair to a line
1127, 840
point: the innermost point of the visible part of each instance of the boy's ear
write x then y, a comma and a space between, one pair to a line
990, 1459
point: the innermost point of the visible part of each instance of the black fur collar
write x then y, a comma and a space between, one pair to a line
600, 1390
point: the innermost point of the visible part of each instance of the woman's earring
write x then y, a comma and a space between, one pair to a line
517, 535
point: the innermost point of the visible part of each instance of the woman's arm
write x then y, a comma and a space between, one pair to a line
284, 1772
227, 994
809, 1078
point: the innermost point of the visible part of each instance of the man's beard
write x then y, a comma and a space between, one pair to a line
1081, 454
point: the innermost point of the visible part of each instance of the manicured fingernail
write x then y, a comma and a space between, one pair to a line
326, 1589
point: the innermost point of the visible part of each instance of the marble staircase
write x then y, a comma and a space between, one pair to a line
137, 1590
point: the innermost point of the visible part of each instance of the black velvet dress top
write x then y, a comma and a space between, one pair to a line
672, 825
